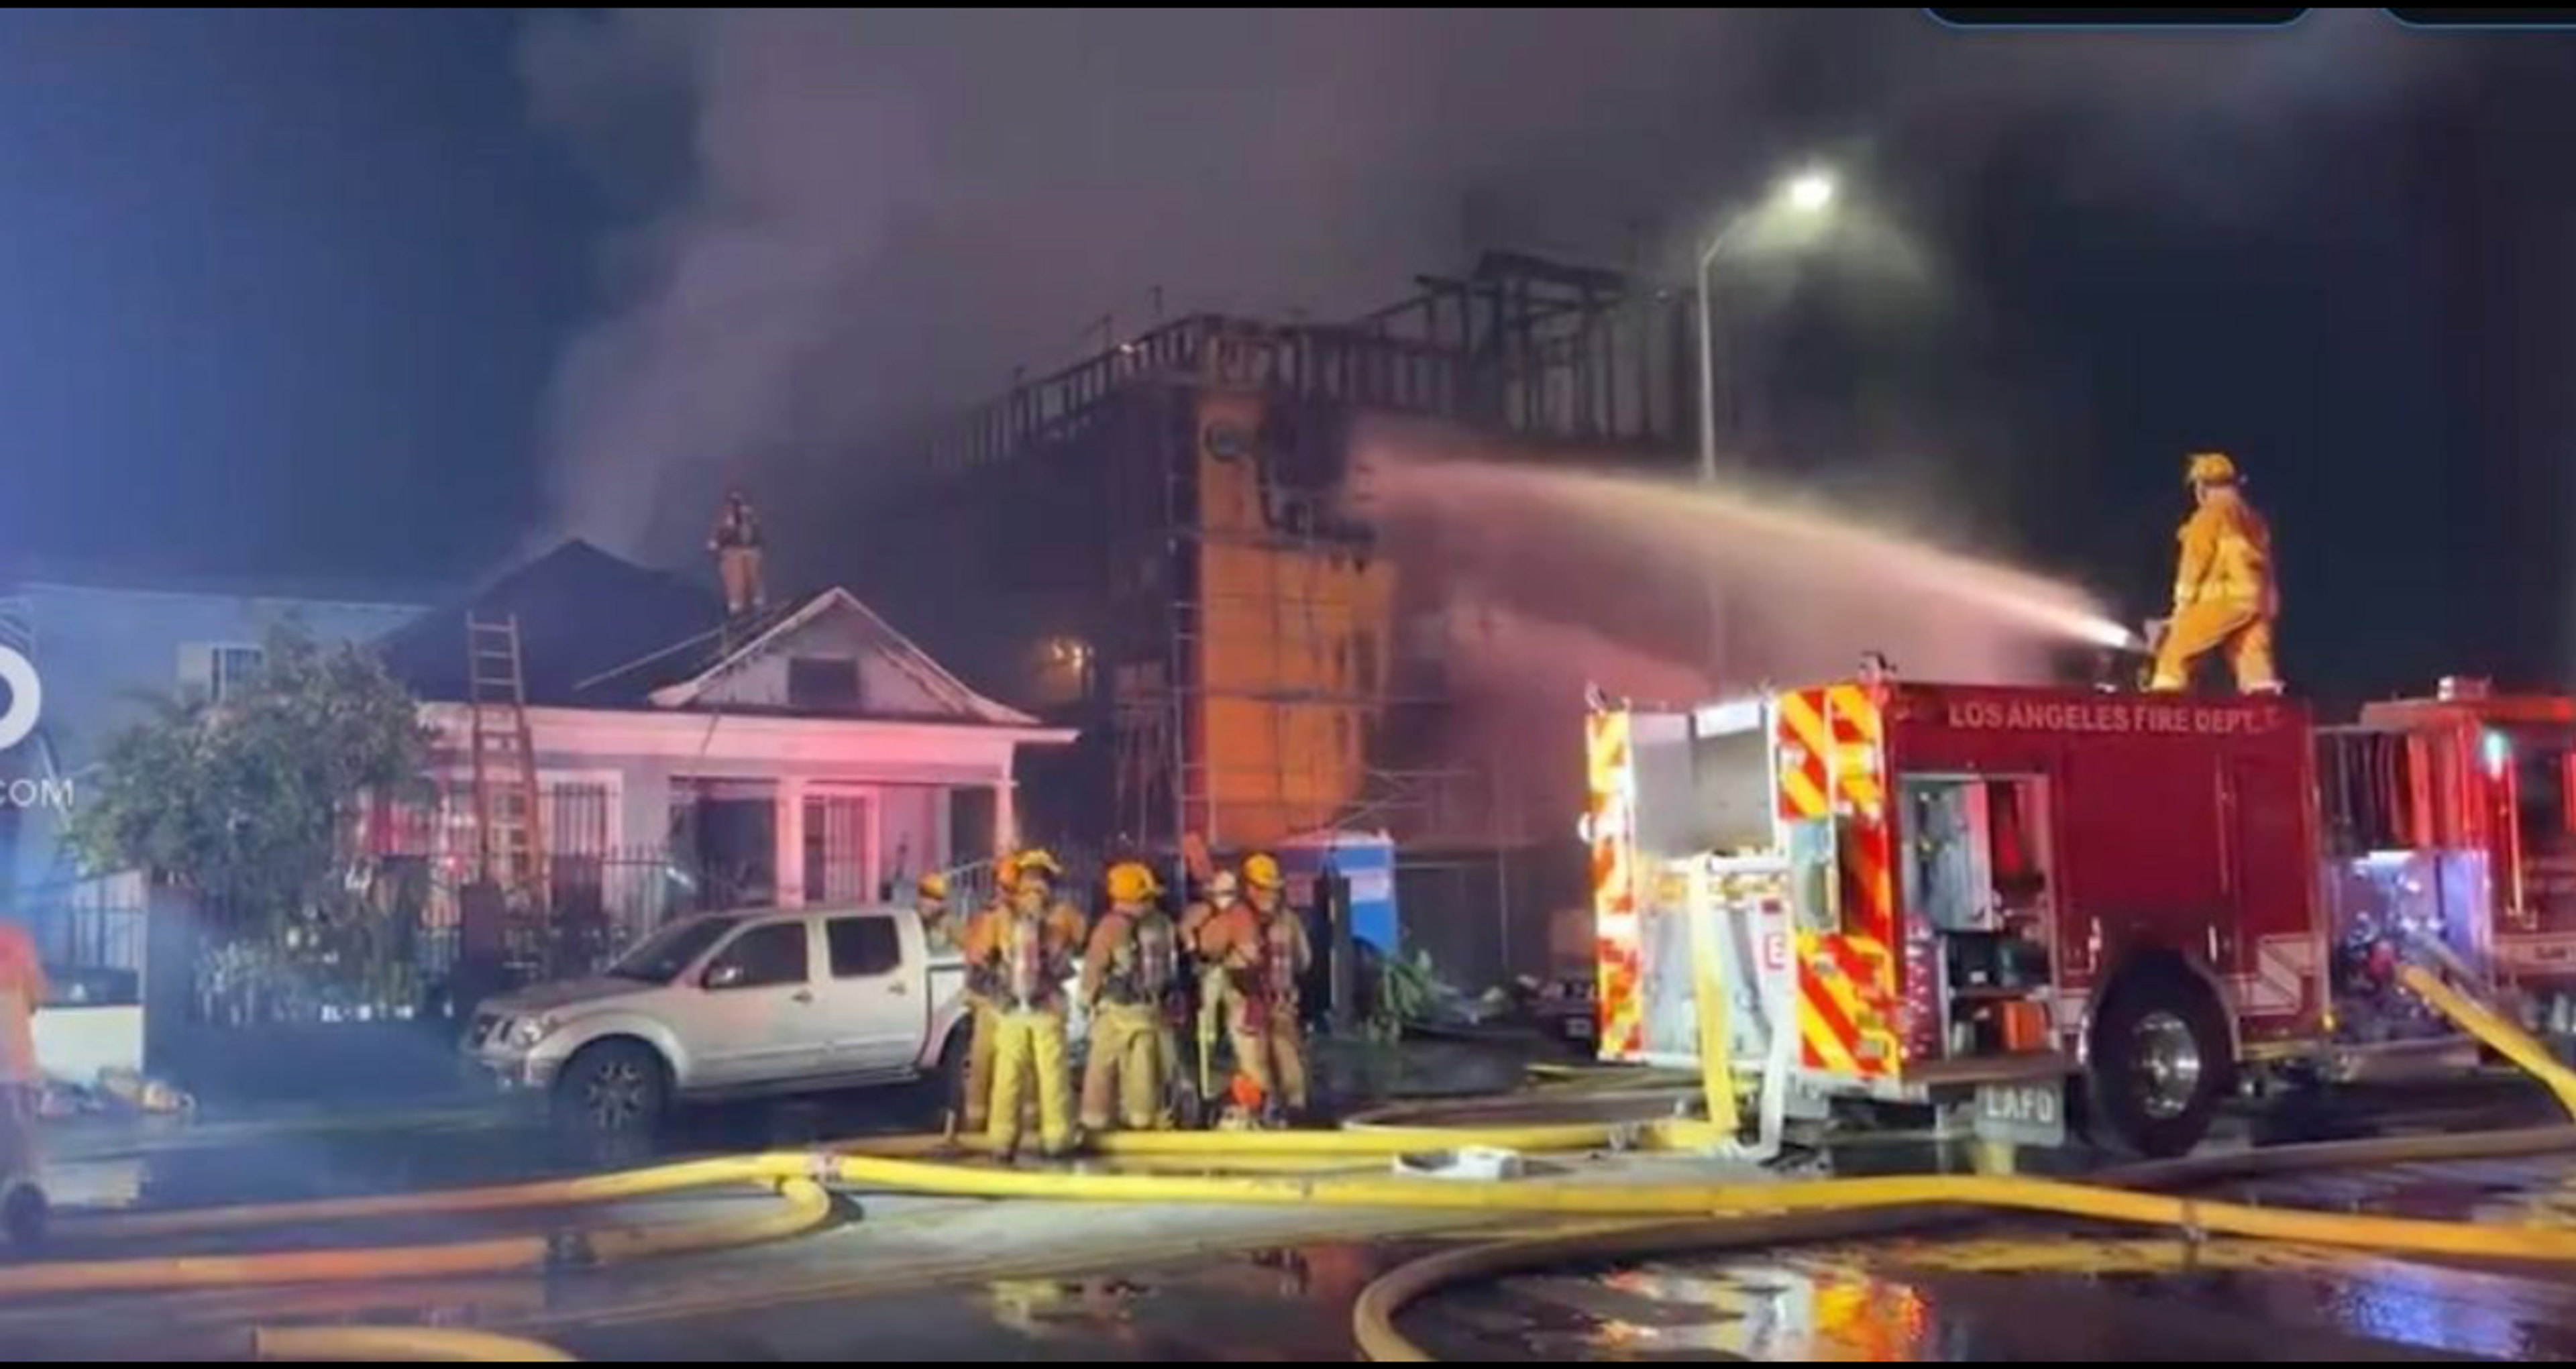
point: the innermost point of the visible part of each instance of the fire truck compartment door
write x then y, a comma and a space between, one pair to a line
1724, 919
2271, 948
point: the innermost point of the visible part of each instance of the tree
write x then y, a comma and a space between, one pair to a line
247, 801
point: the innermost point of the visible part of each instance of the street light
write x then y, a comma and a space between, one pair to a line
1809, 194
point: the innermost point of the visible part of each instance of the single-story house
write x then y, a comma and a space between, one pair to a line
810, 753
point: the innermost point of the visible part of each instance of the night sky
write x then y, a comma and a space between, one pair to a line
386, 298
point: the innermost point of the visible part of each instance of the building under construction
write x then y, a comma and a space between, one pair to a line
1152, 546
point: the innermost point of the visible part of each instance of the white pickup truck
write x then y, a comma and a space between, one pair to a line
728, 1004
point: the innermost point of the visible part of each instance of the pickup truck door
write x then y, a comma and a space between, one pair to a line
758, 1017
876, 992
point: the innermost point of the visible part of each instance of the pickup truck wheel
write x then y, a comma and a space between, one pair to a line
2161, 1066
613, 1088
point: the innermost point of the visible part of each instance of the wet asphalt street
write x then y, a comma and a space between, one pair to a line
918, 1279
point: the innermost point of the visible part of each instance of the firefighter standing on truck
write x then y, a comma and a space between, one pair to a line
1128, 973
1028, 949
1262, 948
2224, 595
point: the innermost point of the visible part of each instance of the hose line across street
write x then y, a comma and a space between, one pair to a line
1720, 1213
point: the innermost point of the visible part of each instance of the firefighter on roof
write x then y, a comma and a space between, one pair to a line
2224, 596
736, 542
1128, 975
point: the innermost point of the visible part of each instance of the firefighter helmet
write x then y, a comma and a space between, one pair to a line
2210, 468
1262, 872
1131, 882
1007, 870
933, 887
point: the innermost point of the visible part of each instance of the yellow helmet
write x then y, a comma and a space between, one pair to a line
1008, 869
1131, 882
933, 886
2210, 468
1262, 872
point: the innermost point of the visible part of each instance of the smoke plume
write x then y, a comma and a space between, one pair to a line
840, 225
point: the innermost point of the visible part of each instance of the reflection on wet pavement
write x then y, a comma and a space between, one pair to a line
2039, 1291
1274, 1306
2022, 1290
1825, 1306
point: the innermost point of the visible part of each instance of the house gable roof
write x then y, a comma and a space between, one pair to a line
582, 613
905, 682
598, 631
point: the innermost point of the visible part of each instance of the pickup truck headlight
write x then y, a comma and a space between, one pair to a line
523, 1033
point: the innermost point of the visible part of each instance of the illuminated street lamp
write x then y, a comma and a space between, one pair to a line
1811, 192
1808, 195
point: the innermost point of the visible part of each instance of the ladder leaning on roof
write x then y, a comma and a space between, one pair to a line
508, 825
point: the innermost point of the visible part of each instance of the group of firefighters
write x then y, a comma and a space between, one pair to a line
1230, 962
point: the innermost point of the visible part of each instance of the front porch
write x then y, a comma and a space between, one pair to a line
652, 815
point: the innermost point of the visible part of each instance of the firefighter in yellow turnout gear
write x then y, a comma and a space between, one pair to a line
1026, 948
2224, 596
1214, 1002
1261, 948
1128, 973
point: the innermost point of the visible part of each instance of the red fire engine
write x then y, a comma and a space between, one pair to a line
1967, 897
2448, 819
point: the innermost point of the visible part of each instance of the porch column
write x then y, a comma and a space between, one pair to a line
1006, 815
791, 843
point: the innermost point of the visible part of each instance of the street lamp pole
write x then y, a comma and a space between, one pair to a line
1708, 359
1810, 194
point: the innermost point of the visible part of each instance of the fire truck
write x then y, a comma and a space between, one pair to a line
2448, 819
2001, 901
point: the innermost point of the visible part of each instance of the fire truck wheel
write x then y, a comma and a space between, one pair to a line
2162, 1064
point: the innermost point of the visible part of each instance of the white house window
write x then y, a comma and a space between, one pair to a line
216, 671
823, 684
235, 668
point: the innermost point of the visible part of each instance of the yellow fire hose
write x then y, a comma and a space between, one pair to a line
397, 1344
896, 1166
1665, 1200
2500, 1035
1208, 1148
806, 1206
583, 1192
1826, 1202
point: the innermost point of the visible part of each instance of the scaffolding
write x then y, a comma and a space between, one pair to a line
1252, 677
1520, 346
